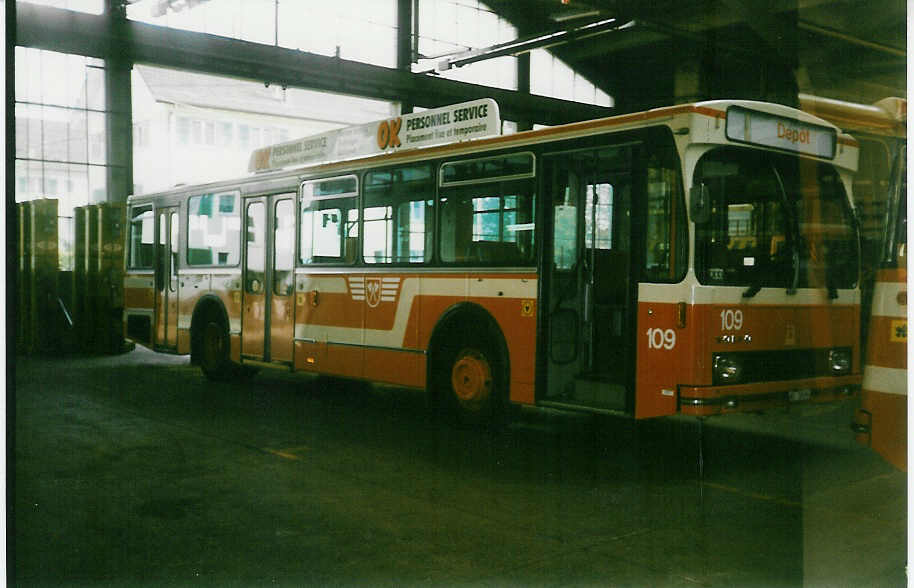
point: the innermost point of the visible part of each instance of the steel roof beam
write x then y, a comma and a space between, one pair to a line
100, 36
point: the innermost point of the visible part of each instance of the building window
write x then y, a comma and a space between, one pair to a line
209, 132
550, 76
451, 26
216, 124
225, 134
183, 129
141, 135
61, 145
87, 6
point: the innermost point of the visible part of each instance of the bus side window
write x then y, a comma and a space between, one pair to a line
329, 221
397, 215
489, 223
142, 224
456, 229
213, 229
488, 210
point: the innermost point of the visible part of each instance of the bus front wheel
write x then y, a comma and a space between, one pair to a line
473, 382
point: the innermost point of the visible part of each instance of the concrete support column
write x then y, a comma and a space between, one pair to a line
407, 42
523, 85
119, 113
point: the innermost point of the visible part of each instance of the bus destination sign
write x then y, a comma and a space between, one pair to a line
771, 130
448, 124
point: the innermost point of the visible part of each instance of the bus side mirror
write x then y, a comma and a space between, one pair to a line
699, 204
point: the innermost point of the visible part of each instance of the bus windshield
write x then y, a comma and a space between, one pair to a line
777, 221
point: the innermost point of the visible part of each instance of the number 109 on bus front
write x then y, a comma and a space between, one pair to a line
661, 338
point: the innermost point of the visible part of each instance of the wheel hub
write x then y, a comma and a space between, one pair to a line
471, 378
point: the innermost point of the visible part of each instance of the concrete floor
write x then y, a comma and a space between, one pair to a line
135, 471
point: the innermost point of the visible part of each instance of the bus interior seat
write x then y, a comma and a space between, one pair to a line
493, 251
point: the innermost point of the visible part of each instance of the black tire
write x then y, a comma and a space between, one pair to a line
471, 383
214, 350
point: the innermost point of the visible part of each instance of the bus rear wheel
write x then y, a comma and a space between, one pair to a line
214, 351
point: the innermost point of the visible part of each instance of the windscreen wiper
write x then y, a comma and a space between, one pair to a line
753, 290
793, 233
795, 263
829, 281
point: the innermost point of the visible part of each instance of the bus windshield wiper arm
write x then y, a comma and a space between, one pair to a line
795, 264
793, 234
753, 290
830, 282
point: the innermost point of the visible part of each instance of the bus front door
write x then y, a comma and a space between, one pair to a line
590, 297
268, 305
166, 279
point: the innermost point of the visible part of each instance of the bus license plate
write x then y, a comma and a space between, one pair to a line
799, 395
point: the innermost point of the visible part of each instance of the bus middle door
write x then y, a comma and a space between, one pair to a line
590, 295
166, 279
268, 304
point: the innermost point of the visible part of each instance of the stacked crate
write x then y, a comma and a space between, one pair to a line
98, 277
38, 327
109, 259
82, 315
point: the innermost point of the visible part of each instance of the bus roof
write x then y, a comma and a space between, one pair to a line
887, 117
484, 141
261, 158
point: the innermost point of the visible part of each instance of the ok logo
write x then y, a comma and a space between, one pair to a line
389, 133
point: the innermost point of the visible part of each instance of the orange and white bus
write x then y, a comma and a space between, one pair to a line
880, 188
697, 259
880, 130
882, 420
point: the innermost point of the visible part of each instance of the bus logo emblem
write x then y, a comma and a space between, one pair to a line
373, 291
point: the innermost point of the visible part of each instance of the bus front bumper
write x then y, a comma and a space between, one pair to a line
713, 400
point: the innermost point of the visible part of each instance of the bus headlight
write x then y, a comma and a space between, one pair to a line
839, 361
728, 369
